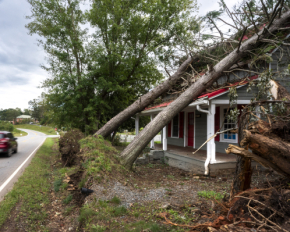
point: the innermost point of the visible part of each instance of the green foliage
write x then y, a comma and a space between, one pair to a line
6, 126
92, 78
119, 211
10, 114
98, 228
86, 213
99, 154
68, 199
115, 200
56, 184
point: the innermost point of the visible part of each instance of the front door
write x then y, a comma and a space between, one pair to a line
190, 129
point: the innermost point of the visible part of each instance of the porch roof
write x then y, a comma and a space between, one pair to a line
207, 95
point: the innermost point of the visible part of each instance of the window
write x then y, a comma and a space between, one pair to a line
175, 128
228, 124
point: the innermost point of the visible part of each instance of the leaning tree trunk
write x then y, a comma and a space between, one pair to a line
131, 152
148, 98
144, 100
243, 172
267, 141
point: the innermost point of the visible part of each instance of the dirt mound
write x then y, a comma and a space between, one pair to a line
69, 147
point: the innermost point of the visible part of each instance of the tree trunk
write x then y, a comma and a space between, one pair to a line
267, 150
144, 100
131, 152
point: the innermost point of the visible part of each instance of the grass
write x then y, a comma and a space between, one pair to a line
44, 129
30, 191
19, 133
210, 195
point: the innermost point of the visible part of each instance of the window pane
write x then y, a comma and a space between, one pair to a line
175, 126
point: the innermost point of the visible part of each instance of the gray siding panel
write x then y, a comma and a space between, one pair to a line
242, 94
221, 146
200, 130
175, 141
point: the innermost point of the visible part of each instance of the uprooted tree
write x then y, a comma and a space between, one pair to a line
278, 21
267, 137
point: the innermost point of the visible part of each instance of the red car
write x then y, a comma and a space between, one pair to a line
8, 143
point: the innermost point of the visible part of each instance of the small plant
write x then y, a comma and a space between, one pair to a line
68, 199
86, 213
150, 166
119, 211
210, 194
68, 210
57, 184
170, 177
115, 200
98, 228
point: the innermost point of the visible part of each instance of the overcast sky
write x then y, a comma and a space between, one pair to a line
20, 57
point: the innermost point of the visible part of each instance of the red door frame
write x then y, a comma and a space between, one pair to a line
190, 129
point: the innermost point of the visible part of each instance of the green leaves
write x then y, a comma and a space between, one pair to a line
93, 77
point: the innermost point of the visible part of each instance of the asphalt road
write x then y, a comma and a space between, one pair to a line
12, 167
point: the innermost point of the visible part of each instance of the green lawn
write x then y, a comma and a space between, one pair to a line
43, 129
30, 192
19, 133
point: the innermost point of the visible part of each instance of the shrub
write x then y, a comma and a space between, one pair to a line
6, 126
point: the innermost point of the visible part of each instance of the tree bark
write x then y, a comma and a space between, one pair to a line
131, 152
144, 100
265, 162
259, 144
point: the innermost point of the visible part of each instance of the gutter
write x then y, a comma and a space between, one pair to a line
208, 158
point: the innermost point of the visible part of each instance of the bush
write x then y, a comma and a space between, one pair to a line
6, 126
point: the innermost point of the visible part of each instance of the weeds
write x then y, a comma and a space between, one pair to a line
210, 194
119, 211
56, 184
68, 199
115, 200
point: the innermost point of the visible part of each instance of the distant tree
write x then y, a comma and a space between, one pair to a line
26, 112
37, 107
10, 114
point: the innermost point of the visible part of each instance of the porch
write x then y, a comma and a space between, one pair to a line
182, 157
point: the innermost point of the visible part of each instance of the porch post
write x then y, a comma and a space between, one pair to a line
211, 148
164, 135
137, 125
257, 108
152, 141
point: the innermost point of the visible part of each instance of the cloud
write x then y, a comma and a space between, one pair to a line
20, 57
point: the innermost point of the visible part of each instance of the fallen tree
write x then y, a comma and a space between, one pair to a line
131, 152
144, 100
269, 140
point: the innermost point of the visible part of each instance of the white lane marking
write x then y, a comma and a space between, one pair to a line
17, 170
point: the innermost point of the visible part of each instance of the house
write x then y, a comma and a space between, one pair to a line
192, 128
21, 118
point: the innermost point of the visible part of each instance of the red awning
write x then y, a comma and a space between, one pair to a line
209, 95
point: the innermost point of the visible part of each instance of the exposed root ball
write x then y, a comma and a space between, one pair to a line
69, 147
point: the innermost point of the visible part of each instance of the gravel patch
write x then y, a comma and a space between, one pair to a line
126, 194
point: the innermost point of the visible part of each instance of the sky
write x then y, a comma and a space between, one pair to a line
20, 57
